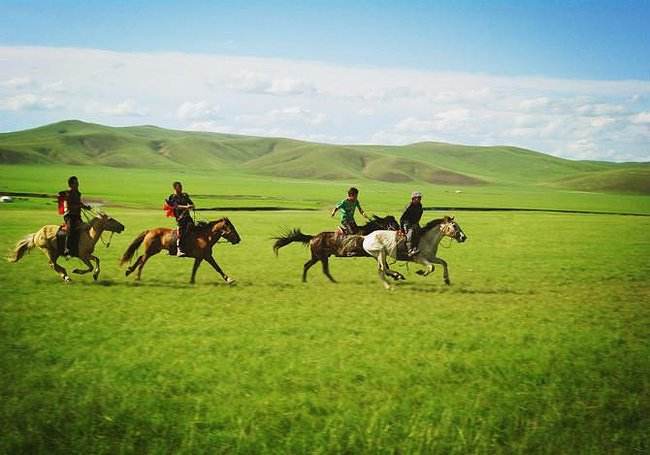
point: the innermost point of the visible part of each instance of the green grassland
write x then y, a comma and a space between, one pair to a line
78, 143
541, 343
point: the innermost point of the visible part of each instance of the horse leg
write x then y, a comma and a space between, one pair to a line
307, 266
96, 271
445, 272
86, 261
57, 268
195, 267
210, 260
131, 268
326, 268
143, 260
425, 262
383, 266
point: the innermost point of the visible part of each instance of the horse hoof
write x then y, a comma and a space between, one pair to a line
95, 276
67, 279
230, 280
447, 282
420, 272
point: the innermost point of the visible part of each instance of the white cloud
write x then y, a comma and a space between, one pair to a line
642, 118
337, 103
197, 110
126, 108
253, 82
28, 102
17, 82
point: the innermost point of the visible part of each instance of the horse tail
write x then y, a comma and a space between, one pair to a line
293, 235
23, 247
130, 251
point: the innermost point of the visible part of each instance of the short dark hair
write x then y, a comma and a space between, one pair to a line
176, 183
73, 179
352, 191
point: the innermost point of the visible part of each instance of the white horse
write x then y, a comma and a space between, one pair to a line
384, 244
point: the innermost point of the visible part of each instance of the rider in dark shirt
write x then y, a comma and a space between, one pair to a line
181, 204
410, 223
72, 213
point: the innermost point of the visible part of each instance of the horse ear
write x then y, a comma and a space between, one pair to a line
451, 218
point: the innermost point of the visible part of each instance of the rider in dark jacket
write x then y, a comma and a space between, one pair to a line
72, 214
181, 204
410, 223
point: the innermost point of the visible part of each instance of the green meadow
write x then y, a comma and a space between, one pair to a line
540, 345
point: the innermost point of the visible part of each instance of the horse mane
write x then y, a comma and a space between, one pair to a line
433, 223
207, 225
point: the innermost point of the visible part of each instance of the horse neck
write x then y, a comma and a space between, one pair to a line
95, 230
216, 230
431, 239
370, 226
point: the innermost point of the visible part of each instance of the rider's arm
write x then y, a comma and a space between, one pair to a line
361, 211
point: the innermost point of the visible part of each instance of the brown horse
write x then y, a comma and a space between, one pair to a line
199, 247
330, 243
89, 234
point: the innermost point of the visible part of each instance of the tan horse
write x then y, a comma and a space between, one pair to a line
199, 247
89, 234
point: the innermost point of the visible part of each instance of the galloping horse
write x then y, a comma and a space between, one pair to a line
330, 243
205, 235
382, 244
89, 234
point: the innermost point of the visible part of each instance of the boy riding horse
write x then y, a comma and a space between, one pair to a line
410, 223
72, 206
180, 205
347, 207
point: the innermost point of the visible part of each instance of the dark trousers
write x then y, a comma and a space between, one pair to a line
185, 227
349, 227
72, 223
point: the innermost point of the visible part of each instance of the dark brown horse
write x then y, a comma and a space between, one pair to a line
330, 243
199, 247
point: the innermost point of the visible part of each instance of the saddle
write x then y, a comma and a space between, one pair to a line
60, 241
402, 251
350, 246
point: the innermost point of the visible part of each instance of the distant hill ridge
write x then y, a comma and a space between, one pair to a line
81, 143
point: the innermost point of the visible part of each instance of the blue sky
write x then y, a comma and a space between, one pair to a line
590, 40
587, 62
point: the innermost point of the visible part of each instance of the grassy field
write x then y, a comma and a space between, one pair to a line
541, 343
147, 147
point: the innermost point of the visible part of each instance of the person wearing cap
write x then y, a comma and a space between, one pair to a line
410, 222
347, 207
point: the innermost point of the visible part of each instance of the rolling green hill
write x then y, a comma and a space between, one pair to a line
79, 143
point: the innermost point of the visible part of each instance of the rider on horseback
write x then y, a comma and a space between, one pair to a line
347, 207
72, 206
181, 204
410, 223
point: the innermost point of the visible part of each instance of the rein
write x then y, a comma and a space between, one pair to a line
96, 214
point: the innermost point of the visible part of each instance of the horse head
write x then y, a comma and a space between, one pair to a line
107, 223
226, 229
451, 229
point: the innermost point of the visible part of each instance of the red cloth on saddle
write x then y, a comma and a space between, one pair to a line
169, 210
61, 203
